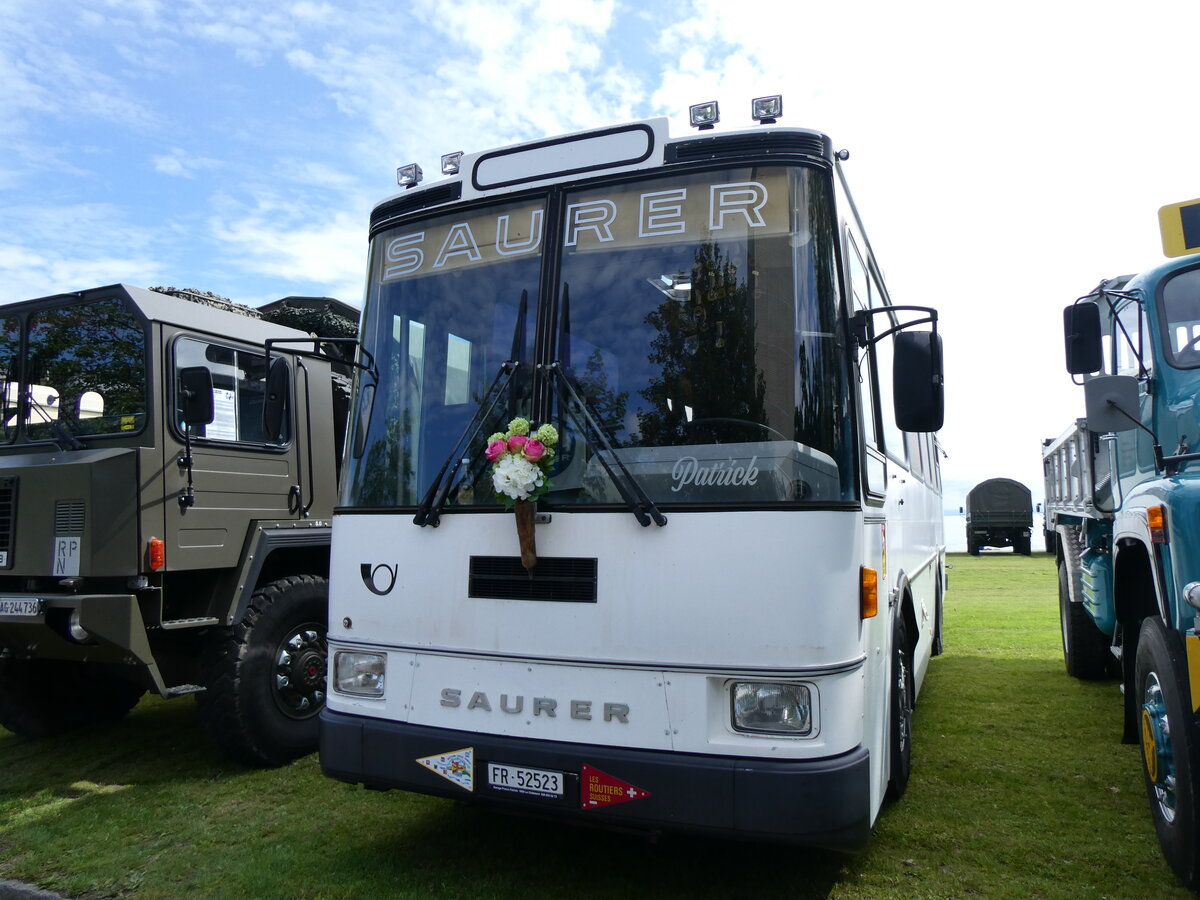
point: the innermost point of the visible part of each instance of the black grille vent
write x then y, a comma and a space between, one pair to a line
561, 579
8, 520
404, 205
778, 143
68, 518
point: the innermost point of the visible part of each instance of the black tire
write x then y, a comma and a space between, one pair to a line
266, 675
901, 699
937, 648
44, 697
972, 547
1170, 747
1085, 647
1022, 544
1051, 541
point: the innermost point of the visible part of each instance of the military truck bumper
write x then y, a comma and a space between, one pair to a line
99, 628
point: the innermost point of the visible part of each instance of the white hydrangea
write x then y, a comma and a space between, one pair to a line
516, 477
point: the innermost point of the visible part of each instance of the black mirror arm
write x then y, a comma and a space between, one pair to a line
860, 323
368, 366
627, 486
1161, 463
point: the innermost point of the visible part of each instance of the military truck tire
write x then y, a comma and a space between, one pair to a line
1170, 748
972, 547
266, 682
1085, 647
1022, 544
43, 697
901, 698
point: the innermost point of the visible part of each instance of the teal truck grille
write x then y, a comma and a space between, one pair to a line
8, 520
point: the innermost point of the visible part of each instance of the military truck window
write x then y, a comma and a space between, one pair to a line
10, 351
86, 371
239, 385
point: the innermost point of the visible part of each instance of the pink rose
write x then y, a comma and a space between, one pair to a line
516, 442
534, 449
495, 450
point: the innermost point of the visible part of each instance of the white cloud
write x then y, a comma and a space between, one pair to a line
41, 254
313, 249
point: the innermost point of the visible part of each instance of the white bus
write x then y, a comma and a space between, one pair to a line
735, 579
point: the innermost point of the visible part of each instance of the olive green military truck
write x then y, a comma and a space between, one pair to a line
156, 534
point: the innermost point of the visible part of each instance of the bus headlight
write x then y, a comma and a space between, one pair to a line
359, 673
771, 708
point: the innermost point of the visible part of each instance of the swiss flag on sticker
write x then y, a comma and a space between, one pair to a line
599, 789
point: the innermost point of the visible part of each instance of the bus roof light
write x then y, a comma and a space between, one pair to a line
409, 176
452, 163
704, 115
765, 110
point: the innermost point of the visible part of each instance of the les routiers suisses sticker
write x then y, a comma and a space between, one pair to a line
599, 789
457, 766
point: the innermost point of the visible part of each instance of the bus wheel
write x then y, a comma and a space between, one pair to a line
1170, 747
1085, 647
44, 697
266, 674
900, 704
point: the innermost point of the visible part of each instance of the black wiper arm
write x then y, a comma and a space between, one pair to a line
63, 439
435, 497
627, 486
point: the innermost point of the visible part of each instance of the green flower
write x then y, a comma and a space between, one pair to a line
496, 437
547, 434
519, 426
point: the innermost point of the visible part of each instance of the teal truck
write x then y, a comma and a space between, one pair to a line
157, 532
1123, 509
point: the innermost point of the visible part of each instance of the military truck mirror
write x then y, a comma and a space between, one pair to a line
1111, 402
917, 379
196, 395
1081, 329
275, 401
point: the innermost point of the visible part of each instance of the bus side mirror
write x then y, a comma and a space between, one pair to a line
917, 379
275, 400
1111, 402
1081, 330
196, 395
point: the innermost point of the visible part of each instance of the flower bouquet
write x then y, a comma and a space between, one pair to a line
520, 474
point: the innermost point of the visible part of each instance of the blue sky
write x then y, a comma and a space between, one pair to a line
1005, 157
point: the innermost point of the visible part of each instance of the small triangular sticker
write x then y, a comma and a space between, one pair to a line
599, 789
456, 765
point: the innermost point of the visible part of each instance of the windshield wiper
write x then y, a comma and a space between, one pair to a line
597, 440
63, 439
428, 513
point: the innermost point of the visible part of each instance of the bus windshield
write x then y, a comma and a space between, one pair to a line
695, 317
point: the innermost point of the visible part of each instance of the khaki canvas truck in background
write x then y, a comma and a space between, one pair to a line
156, 534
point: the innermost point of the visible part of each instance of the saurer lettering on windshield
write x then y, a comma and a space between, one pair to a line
621, 220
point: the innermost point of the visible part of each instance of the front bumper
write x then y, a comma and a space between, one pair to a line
822, 803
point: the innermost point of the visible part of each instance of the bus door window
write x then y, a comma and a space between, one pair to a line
872, 434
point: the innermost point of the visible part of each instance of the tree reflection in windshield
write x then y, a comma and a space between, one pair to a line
87, 370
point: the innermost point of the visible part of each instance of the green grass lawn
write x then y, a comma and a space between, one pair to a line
1020, 788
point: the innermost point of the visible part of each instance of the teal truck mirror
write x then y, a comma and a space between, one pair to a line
1081, 331
1111, 402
